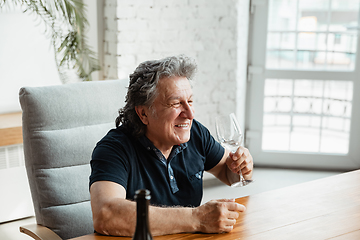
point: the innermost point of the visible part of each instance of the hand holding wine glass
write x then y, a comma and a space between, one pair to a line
230, 136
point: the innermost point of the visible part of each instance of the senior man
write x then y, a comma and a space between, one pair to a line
158, 145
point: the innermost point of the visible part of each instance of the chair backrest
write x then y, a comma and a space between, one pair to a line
61, 125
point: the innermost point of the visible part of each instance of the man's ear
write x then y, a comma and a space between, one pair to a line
141, 112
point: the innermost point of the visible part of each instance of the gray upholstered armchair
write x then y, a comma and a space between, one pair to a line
61, 125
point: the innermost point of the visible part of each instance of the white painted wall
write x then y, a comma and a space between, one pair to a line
26, 57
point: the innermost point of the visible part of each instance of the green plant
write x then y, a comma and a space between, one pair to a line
67, 23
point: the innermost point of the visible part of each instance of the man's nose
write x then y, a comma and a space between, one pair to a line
188, 111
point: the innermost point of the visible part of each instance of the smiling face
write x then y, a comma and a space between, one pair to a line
169, 121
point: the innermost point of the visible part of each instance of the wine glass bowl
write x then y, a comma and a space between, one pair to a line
230, 136
228, 132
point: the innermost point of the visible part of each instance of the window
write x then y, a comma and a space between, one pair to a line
303, 83
307, 34
307, 115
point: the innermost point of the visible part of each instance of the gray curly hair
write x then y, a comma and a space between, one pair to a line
142, 89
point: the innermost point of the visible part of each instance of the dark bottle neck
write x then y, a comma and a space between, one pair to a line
142, 230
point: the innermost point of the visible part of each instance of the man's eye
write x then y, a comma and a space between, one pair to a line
175, 104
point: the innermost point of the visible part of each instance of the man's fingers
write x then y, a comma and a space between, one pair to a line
246, 172
237, 207
239, 157
226, 200
233, 206
230, 223
241, 165
245, 165
236, 155
228, 228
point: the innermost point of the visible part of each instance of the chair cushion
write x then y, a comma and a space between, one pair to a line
61, 125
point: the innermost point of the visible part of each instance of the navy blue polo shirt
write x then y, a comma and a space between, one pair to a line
135, 163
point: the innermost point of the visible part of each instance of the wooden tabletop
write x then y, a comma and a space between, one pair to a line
327, 208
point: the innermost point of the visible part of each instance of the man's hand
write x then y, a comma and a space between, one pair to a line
218, 216
242, 161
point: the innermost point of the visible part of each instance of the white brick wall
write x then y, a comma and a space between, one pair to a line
208, 30
110, 40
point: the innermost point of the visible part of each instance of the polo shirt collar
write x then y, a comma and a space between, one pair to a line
150, 146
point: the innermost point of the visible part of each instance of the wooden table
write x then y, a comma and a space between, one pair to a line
327, 208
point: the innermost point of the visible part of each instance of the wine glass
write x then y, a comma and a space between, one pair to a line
230, 136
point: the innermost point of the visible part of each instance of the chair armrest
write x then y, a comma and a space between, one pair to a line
39, 232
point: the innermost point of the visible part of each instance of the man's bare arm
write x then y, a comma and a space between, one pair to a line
114, 215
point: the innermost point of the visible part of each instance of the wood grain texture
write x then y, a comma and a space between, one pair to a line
327, 208
10, 129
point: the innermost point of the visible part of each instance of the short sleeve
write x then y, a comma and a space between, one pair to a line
109, 161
